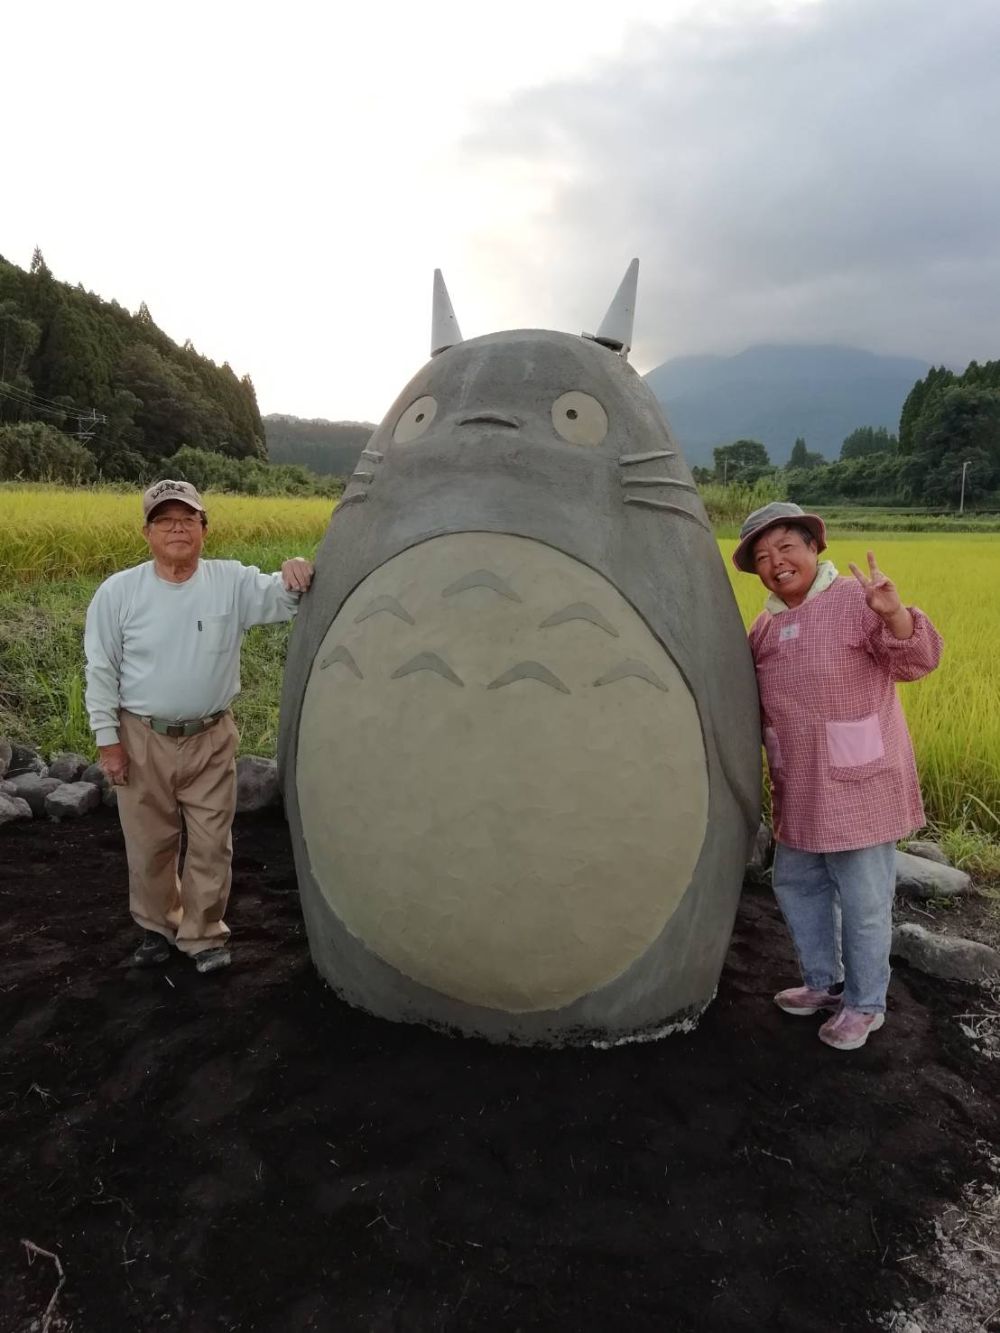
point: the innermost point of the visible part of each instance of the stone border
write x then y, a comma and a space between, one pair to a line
70, 786
923, 871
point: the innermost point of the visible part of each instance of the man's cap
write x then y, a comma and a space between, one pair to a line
779, 513
162, 491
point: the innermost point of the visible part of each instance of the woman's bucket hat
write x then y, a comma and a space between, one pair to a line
779, 513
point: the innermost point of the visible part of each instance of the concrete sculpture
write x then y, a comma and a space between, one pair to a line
520, 751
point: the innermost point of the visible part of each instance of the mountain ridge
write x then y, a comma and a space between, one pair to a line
772, 392
777, 392
328, 448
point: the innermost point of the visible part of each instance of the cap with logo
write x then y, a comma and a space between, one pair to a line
162, 491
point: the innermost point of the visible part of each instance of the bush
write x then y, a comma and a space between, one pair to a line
246, 476
727, 505
874, 479
32, 451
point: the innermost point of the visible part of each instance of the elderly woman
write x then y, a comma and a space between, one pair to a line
828, 651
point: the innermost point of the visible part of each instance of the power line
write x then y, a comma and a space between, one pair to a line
31, 399
29, 395
35, 407
87, 419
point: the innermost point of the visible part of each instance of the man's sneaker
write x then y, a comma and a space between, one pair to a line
210, 960
154, 949
805, 1000
849, 1028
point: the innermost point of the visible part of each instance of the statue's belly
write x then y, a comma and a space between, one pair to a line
501, 773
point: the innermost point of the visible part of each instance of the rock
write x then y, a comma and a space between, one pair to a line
930, 851
13, 808
67, 767
6, 750
95, 773
24, 759
920, 878
256, 783
7, 788
71, 800
34, 789
945, 955
110, 797
761, 851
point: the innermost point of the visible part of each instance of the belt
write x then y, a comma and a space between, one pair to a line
192, 728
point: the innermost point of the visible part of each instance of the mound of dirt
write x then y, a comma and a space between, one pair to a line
243, 1151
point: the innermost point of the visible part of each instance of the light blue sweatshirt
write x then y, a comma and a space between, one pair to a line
172, 650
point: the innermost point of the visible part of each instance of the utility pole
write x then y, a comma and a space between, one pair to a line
961, 503
86, 426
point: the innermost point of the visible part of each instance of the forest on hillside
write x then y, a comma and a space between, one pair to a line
328, 448
946, 454
88, 389
90, 392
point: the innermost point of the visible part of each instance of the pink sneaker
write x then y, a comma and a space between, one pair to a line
805, 1000
849, 1028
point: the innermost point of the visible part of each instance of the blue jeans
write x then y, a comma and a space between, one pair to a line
838, 906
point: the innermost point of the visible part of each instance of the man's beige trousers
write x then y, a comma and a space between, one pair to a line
168, 775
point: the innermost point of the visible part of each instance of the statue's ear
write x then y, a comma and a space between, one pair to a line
616, 326
445, 332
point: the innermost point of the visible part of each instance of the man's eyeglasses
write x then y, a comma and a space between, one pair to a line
163, 522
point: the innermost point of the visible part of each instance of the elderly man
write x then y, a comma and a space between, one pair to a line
163, 666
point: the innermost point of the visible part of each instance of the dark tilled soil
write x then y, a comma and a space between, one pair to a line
243, 1151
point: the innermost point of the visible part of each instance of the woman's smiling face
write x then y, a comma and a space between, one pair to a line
786, 563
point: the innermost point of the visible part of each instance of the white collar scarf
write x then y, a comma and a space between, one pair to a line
826, 573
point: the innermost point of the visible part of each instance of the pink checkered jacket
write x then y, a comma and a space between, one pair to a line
842, 770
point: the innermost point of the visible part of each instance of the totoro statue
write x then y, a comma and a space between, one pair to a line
519, 733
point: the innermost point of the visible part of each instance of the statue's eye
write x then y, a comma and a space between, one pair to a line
579, 419
415, 420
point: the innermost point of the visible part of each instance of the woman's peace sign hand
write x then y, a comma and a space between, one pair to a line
880, 591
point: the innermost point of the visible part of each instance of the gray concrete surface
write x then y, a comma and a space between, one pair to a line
519, 747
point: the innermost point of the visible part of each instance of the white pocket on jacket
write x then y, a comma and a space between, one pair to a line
217, 632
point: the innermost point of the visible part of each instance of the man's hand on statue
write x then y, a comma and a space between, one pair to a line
114, 762
297, 574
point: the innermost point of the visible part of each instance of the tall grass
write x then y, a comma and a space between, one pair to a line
42, 676
41, 666
60, 533
57, 544
728, 506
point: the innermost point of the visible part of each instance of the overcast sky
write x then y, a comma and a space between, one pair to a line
278, 182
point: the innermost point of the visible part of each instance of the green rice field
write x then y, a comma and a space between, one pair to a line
57, 544
953, 714
54, 532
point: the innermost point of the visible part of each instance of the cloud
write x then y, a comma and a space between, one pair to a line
825, 174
